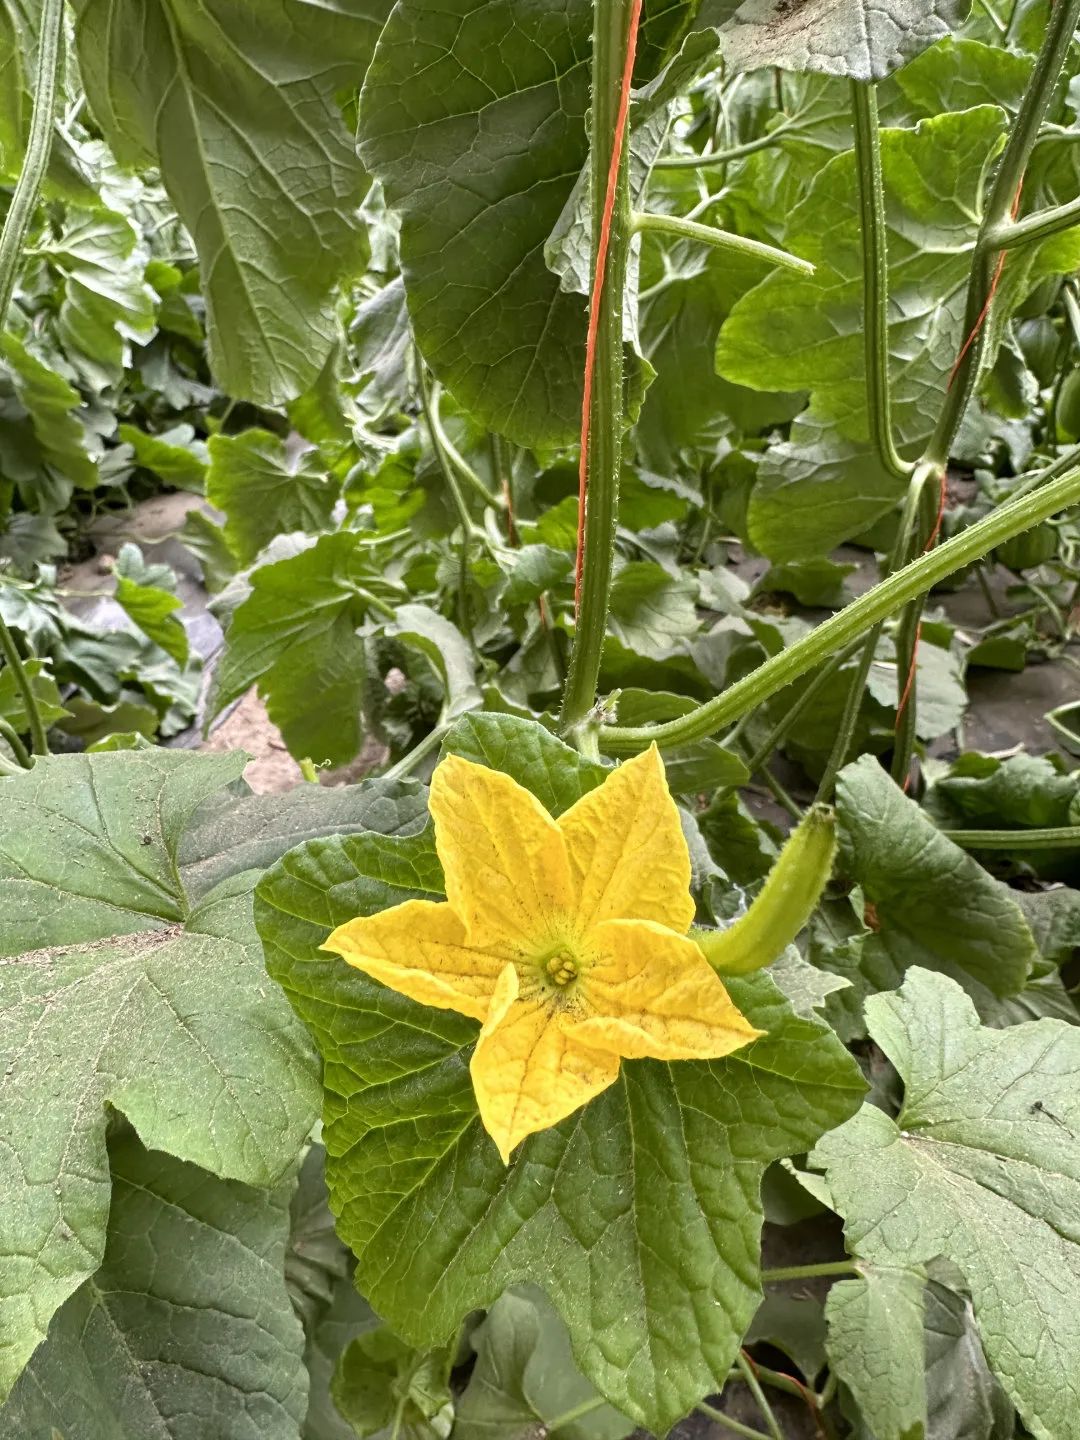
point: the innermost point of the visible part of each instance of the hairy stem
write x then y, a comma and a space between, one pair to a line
735, 1426
809, 1272
875, 275
24, 201
602, 419
1021, 513
18, 749
1036, 227
723, 157
1065, 837
681, 228
746, 1369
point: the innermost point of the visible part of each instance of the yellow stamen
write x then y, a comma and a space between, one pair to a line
562, 968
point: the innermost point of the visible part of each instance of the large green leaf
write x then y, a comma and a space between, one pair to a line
174, 455
480, 160
933, 904
863, 39
556, 774
981, 1166
186, 1331
234, 100
133, 981
639, 1216
295, 635
265, 489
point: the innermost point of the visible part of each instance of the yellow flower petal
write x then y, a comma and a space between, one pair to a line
527, 1073
652, 992
627, 851
419, 949
504, 859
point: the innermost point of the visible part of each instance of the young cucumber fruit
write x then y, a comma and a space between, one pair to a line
786, 901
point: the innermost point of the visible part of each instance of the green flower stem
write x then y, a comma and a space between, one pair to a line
782, 728
777, 1380
825, 1269
735, 1426
1021, 513
1036, 227
926, 499
437, 435
1065, 837
10, 651
902, 552
18, 749
455, 457
875, 275
611, 32
1022, 137
645, 222
408, 762
24, 201
850, 716
587, 1407
724, 157
746, 1370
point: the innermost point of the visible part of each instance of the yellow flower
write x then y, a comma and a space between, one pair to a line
565, 938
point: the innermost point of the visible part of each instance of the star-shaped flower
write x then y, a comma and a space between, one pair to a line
566, 939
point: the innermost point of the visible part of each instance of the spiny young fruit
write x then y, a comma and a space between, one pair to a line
785, 903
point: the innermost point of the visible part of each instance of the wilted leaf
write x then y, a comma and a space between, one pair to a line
875, 1346
525, 1377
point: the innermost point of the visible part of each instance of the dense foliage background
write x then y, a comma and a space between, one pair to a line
361, 358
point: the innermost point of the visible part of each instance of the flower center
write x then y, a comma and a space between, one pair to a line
561, 968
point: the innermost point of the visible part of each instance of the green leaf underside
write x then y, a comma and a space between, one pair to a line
935, 905
982, 1167
255, 157
133, 979
186, 1331
480, 160
863, 39
639, 1216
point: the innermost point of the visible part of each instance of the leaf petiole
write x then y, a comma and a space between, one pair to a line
38, 740
647, 221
